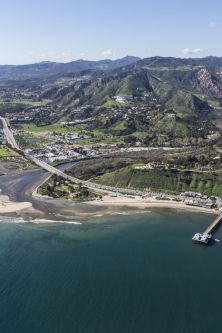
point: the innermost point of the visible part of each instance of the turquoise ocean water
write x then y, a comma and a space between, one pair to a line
119, 274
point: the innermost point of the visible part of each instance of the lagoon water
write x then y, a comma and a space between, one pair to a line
119, 274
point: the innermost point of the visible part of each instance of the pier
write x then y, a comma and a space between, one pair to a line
214, 225
206, 236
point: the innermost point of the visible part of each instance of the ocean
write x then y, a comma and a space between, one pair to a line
117, 274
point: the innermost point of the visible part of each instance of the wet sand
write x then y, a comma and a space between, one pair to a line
142, 203
7, 206
19, 187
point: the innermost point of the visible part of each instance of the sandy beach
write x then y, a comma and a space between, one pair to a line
108, 205
7, 206
111, 204
20, 198
142, 203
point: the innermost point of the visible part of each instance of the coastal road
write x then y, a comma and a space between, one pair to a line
55, 171
19, 186
12, 142
8, 134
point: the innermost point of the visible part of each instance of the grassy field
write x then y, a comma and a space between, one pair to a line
140, 135
106, 140
23, 101
29, 140
98, 136
164, 181
120, 126
49, 128
6, 152
56, 128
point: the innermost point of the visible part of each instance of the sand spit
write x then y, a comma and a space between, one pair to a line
7, 206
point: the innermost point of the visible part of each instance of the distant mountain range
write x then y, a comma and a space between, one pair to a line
184, 85
47, 68
179, 100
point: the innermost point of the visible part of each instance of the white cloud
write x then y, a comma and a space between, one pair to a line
41, 55
82, 54
107, 53
212, 24
188, 51
64, 55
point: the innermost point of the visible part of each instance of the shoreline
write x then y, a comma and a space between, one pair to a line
35, 206
135, 202
107, 206
143, 203
7, 206
138, 204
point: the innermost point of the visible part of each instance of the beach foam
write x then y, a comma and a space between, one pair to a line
4, 219
38, 221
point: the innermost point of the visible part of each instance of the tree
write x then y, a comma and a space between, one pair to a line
71, 189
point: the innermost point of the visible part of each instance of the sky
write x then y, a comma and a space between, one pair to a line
66, 30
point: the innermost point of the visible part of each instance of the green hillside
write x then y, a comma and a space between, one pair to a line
164, 181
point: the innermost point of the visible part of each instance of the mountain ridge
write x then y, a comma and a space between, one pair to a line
48, 68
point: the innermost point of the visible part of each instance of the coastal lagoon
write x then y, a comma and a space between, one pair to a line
116, 274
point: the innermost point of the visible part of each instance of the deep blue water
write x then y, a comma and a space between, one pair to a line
121, 274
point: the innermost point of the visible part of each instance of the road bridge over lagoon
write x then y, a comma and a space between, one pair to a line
205, 237
54, 171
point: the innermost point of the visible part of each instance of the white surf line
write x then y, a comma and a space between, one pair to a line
39, 221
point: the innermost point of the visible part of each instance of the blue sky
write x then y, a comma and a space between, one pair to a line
66, 30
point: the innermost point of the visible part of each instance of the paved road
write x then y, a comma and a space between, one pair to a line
87, 184
8, 134
12, 142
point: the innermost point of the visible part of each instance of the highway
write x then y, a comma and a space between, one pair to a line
113, 190
84, 183
8, 134
12, 142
